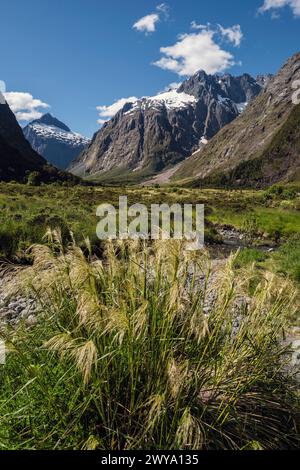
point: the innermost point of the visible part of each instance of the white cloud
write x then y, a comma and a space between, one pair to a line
195, 25
164, 9
24, 105
200, 50
276, 4
107, 112
233, 34
147, 24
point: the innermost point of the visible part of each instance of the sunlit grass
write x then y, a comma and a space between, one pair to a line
140, 350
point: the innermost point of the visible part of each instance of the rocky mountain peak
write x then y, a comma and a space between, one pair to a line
54, 140
264, 79
50, 120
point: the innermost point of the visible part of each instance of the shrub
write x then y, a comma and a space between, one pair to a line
34, 178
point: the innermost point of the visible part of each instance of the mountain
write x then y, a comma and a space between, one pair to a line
18, 159
155, 133
263, 80
259, 148
54, 140
16, 155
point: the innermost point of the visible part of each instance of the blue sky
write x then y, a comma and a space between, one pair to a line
75, 55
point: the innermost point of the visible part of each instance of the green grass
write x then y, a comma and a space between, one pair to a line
287, 260
26, 212
248, 256
124, 357
269, 221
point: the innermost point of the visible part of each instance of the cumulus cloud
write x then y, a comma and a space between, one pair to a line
24, 105
233, 34
107, 112
201, 50
147, 24
276, 4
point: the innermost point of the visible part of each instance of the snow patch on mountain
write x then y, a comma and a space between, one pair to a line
171, 99
52, 132
241, 107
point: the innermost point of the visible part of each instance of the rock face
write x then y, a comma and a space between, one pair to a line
260, 147
157, 132
54, 140
263, 80
16, 155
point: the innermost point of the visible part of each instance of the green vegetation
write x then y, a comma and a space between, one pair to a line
248, 256
285, 142
124, 356
288, 259
27, 211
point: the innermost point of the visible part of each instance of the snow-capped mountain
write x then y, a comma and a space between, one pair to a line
159, 131
54, 140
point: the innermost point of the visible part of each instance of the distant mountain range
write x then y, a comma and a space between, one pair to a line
54, 140
213, 130
259, 148
158, 132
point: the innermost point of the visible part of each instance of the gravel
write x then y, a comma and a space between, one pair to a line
16, 308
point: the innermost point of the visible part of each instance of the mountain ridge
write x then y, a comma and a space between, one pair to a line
238, 154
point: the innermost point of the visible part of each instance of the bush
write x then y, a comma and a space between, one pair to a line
280, 192
34, 178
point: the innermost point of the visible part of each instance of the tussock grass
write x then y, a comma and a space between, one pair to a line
147, 349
